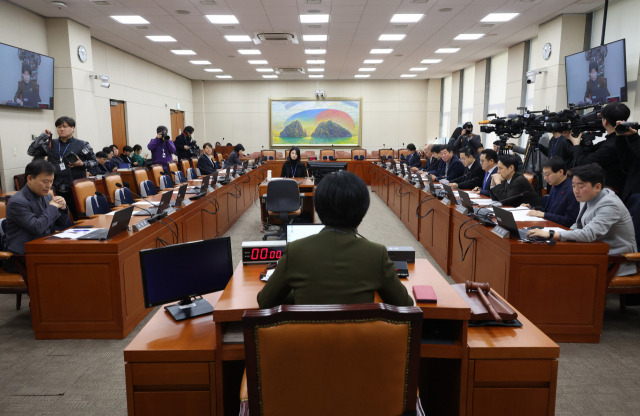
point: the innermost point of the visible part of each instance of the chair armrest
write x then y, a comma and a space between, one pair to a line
632, 256
244, 394
5, 254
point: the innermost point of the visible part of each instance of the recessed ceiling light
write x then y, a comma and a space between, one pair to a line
447, 50
372, 61
314, 38
270, 76
316, 76
222, 19
315, 61
183, 12
315, 69
445, 10
315, 51
380, 51
257, 62
499, 17
406, 18
361, 76
391, 37
431, 61
418, 69
224, 76
183, 51
237, 38
407, 75
130, 20
314, 18
366, 69
213, 69
249, 52
161, 38
264, 69
200, 62
469, 36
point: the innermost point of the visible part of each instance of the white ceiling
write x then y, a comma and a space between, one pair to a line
353, 30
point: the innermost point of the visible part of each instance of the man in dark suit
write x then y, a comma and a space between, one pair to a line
473, 173
432, 154
33, 213
450, 167
560, 206
468, 139
512, 188
489, 163
206, 164
413, 158
335, 266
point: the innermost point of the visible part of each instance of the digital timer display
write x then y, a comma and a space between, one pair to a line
265, 253
262, 251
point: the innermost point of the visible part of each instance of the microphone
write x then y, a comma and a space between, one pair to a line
502, 201
151, 214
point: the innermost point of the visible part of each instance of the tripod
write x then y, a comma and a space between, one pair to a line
533, 155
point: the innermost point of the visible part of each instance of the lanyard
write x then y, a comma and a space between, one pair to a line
293, 171
65, 149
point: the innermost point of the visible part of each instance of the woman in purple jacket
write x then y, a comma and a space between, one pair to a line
162, 148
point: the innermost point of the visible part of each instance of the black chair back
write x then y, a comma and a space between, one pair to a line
283, 196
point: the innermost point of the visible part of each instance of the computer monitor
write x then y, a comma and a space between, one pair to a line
298, 231
319, 169
184, 272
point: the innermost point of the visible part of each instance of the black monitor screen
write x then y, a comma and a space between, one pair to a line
319, 169
179, 271
26, 78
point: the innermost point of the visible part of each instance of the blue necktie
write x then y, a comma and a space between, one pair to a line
484, 184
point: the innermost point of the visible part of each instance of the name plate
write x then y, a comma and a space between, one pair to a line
462, 210
141, 225
445, 201
500, 232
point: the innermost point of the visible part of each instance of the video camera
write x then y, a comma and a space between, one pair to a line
194, 149
589, 124
513, 125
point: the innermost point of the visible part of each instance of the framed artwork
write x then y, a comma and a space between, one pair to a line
315, 123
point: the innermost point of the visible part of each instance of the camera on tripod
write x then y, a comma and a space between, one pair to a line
589, 124
194, 149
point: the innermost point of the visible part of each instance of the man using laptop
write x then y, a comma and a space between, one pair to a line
473, 173
335, 266
33, 213
512, 188
489, 163
603, 216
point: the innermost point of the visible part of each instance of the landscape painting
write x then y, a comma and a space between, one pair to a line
315, 123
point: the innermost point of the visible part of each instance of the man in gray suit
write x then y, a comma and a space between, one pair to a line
602, 216
33, 213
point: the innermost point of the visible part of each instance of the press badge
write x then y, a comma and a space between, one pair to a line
62, 166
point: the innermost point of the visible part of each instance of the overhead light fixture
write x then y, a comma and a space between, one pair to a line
237, 38
270, 76
391, 37
366, 69
222, 19
264, 69
372, 61
224, 76
213, 70
361, 76
380, 51
314, 18
315, 51
316, 76
499, 17
431, 61
407, 75
200, 62
257, 62
314, 38
183, 51
315, 61
130, 20
447, 50
418, 69
469, 36
161, 38
406, 18
249, 52
315, 69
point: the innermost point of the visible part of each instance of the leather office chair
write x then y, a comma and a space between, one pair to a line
360, 359
308, 153
220, 158
179, 177
327, 154
83, 189
110, 180
283, 201
156, 171
19, 181
194, 162
387, 153
12, 283
147, 188
173, 167
286, 154
268, 155
192, 174
139, 175
184, 166
166, 182
358, 154
341, 154
402, 153
96, 205
623, 285
123, 197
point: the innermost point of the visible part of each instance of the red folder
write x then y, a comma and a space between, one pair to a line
424, 293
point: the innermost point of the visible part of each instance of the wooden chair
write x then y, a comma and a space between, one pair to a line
19, 181
308, 153
361, 359
342, 154
327, 154
156, 170
268, 155
194, 163
623, 285
82, 189
374, 154
403, 153
220, 159
13, 283
184, 166
286, 154
387, 153
358, 154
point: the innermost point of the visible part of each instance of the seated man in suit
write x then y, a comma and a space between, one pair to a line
206, 163
489, 163
335, 266
413, 158
602, 216
560, 205
33, 213
511, 187
102, 168
432, 153
473, 173
450, 167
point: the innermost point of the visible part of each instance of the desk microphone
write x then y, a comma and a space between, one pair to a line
520, 195
153, 217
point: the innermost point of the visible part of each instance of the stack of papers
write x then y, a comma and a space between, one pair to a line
75, 233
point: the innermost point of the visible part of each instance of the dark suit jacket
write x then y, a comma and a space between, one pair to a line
456, 169
289, 170
629, 151
475, 142
181, 141
430, 164
473, 176
560, 206
486, 187
561, 147
206, 165
606, 155
519, 185
29, 217
333, 267
413, 160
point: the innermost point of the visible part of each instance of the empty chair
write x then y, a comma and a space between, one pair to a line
173, 167
83, 189
192, 174
110, 181
308, 153
140, 175
358, 154
123, 196
185, 164
96, 205
341, 154
166, 182
147, 188
268, 155
179, 177
12, 283
156, 171
623, 285
387, 153
327, 154
403, 153
283, 202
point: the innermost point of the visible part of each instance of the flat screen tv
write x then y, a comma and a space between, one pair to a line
26, 78
597, 75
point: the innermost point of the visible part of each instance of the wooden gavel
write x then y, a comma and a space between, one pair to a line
481, 288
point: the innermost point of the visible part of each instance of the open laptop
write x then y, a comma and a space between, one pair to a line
182, 191
298, 231
165, 202
439, 193
119, 223
505, 220
202, 188
465, 201
450, 195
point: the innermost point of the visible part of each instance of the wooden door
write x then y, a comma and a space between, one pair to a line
177, 123
118, 126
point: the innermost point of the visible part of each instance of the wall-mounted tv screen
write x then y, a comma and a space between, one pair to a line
26, 78
597, 75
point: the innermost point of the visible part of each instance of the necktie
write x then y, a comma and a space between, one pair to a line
486, 177
579, 219
446, 169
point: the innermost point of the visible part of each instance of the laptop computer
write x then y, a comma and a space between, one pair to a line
450, 195
505, 220
202, 188
298, 231
182, 191
163, 206
119, 223
439, 193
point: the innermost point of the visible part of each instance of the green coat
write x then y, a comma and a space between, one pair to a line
333, 267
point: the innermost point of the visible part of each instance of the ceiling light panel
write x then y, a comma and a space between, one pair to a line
314, 18
469, 36
237, 38
431, 61
391, 37
183, 51
314, 38
447, 50
264, 69
316, 76
130, 20
213, 69
315, 61
315, 69
361, 76
224, 76
222, 19
372, 61
407, 75
418, 69
380, 51
270, 76
161, 38
200, 62
366, 69
315, 51
406, 18
249, 52
257, 62
499, 17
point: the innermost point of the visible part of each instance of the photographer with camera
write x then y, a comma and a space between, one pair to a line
184, 143
162, 148
468, 139
559, 145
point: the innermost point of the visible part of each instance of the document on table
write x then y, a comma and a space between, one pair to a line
145, 203
75, 233
267, 275
521, 215
482, 201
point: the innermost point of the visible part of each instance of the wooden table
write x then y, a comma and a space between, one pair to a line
306, 186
